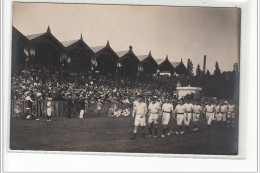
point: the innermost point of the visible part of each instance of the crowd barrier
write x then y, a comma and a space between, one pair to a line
59, 108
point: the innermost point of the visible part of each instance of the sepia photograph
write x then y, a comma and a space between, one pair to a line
125, 78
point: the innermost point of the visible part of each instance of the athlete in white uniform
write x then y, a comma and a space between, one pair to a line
167, 109
196, 109
153, 112
218, 114
188, 115
231, 113
134, 105
140, 111
180, 110
223, 111
210, 111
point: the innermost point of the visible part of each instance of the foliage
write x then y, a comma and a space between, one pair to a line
190, 67
217, 70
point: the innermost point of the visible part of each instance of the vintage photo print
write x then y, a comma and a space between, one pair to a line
125, 78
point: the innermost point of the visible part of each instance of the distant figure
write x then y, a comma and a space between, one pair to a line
49, 109
99, 105
223, 111
232, 113
70, 106
82, 108
17, 109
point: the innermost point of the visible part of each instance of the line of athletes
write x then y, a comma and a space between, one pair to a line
223, 112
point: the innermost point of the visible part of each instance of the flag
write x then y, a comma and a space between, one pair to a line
69, 60
25, 52
32, 52
95, 62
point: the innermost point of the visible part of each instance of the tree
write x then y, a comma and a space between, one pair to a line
190, 67
217, 69
198, 71
208, 73
235, 67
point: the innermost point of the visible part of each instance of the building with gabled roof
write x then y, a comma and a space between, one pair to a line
179, 68
106, 58
48, 49
165, 65
150, 66
129, 62
19, 43
80, 54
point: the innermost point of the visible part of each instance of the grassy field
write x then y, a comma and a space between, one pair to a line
113, 135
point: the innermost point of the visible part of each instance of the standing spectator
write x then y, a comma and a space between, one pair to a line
49, 109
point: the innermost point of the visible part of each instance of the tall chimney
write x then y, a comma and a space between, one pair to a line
204, 65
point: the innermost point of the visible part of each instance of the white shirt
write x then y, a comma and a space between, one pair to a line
210, 108
196, 109
217, 108
154, 108
223, 108
135, 103
231, 108
167, 107
141, 108
189, 107
180, 109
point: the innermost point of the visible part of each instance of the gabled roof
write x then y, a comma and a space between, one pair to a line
97, 48
121, 53
175, 64
68, 43
142, 57
33, 36
159, 61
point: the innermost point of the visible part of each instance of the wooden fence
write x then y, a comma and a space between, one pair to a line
59, 108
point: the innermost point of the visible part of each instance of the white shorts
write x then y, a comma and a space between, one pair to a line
219, 116
165, 118
180, 118
187, 118
195, 117
209, 117
140, 121
153, 118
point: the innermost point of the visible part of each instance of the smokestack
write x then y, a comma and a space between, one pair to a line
204, 64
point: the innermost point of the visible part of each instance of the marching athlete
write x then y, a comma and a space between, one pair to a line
167, 109
210, 111
135, 102
223, 111
218, 114
188, 115
196, 109
140, 111
49, 109
231, 113
180, 110
153, 112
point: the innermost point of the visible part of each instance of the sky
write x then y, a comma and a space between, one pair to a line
179, 32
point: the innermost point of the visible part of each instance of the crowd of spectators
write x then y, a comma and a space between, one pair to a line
41, 84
